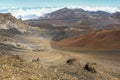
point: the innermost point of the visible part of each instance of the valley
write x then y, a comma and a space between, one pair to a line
63, 44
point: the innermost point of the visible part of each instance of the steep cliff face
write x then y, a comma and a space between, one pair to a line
7, 21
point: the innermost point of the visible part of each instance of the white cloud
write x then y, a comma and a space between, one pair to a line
30, 12
34, 13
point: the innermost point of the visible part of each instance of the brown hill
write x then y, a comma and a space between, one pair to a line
97, 40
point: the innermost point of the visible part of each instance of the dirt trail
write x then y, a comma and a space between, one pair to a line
39, 47
47, 54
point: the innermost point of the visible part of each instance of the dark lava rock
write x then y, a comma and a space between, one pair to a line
70, 61
90, 67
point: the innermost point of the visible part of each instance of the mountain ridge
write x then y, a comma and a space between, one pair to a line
66, 13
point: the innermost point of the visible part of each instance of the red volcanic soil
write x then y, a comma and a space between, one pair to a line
97, 40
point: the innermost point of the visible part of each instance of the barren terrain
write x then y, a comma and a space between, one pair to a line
29, 53
40, 47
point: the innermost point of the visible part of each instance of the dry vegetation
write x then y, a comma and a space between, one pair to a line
13, 67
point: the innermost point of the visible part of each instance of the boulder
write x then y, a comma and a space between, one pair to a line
90, 67
70, 61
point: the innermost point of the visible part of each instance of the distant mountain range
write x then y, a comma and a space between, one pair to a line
66, 13
40, 12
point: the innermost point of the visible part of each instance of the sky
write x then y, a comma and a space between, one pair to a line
36, 8
54, 3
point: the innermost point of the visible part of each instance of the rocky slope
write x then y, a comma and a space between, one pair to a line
96, 40
13, 67
7, 21
10, 28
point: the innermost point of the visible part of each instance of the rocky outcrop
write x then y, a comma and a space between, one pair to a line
7, 21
